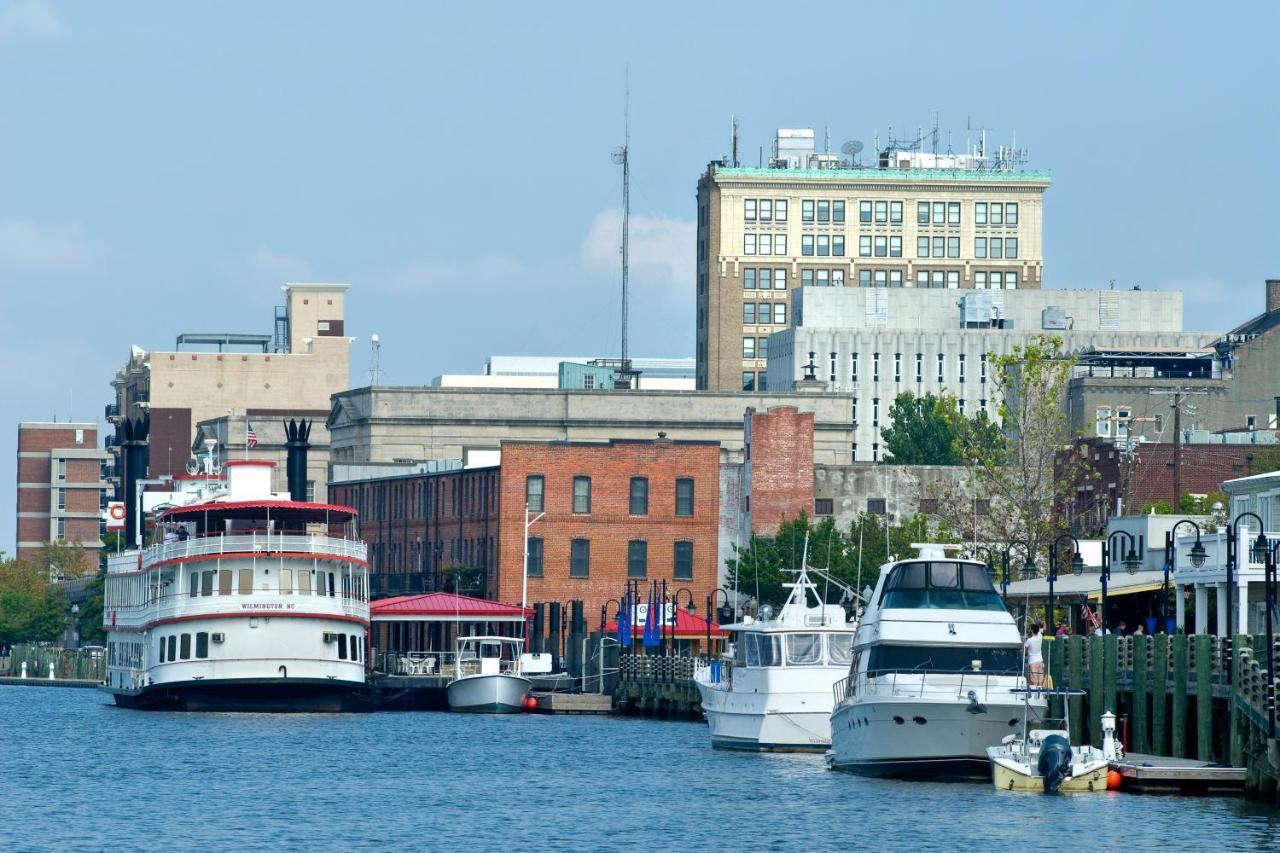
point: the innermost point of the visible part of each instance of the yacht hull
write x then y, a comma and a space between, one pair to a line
1010, 775
767, 722
248, 695
498, 693
933, 739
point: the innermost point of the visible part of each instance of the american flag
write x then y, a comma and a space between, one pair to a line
250, 437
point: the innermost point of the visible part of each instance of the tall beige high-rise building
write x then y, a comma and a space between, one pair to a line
913, 219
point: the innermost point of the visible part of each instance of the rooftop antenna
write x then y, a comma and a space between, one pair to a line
733, 120
622, 156
852, 149
826, 139
375, 365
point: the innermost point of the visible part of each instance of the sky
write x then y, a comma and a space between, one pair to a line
165, 167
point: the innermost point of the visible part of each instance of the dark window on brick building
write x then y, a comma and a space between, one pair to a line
580, 558
637, 558
684, 496
533, 492
639, 504
582, 494
876, 506
683, 561
535, 556
822, 506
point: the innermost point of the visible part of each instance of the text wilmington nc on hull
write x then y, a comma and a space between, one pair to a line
249, 601
936, 660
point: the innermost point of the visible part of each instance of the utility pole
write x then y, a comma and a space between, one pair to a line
1179, 397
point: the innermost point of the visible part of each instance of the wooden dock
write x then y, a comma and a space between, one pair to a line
49, 682
574, 703
1158, 774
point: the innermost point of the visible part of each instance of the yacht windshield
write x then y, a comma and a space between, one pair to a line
992, 660
959, 586
840, 648
804, 649
764, 650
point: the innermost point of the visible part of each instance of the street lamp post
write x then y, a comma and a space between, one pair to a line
711, 605
1076, 560
675, 611
1170, 555
1028, 567
1258, 555
1269, 582
1131, 559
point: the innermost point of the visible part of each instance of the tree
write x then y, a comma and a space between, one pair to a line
89, 619
1025, 479
930, 430
64, 559
31, 610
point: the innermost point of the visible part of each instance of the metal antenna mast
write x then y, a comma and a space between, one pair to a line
622, 156
1179, 397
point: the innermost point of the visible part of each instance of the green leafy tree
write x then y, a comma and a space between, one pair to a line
31, 610
64, 559
89, 619
922, 431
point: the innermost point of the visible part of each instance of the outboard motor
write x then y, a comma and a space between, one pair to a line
1054, 764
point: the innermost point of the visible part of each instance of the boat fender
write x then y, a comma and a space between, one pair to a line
1054, 763
975, 707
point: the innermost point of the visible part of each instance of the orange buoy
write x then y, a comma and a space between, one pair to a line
1113, 780
530, 703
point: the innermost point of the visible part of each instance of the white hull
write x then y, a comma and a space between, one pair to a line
767, 721
498, 693
932, 739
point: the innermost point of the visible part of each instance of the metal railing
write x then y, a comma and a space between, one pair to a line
231, 544
949, 685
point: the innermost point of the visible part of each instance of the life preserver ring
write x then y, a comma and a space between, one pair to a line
116, 512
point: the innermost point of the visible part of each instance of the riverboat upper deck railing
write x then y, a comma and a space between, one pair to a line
310, 544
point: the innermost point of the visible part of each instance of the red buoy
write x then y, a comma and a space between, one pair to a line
530, 703
1113, 780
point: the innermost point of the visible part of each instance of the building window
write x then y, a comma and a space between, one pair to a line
533, 492
683, 568
837, 245
875, 452
535, 556
748, 244
823, 506
922, 278
61, 495
1102, 418
582, 494
853, 452
882, 211
960, 368
184, 650
854, 372
941, 358
780, 210
895, 213
837, 211
580, 558
953, 247
864, 211
748, 313
806, 245
876, 506
748, 381
895, 247
855, 411
779, 244
780, 313
766, 210
637, 558
824, 211
837, 275
897, 367
806, 210
1011, 213
62, 528
60, 468
875, 367
202, 644
982, 368
953, 279
922, 247
748, 347
748, 279
765, 276
922, 213
824, 245
939, 213
639, 499
749, 210
928, 506
765, 244
684, 496
864, 278
864, 246
833, 367
779, 280
960, 406
982, 405
875, 411
995, 247
919, 367
979, 213
882, 246
762, 347
997, 213
1011, 247
953, 213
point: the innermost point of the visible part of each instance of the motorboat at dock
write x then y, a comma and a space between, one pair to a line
487, 677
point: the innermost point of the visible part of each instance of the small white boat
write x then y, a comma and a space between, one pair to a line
1044, 761
486, 679
776, 694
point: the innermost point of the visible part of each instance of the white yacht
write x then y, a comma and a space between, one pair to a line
250, 601
937, 660
777, 693
488, 677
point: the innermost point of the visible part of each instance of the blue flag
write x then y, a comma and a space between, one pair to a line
650, 624
623, 633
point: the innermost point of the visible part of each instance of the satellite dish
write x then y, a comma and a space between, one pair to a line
852, 147
619, 155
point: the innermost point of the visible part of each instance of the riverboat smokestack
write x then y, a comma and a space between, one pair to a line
296, 435
136, 452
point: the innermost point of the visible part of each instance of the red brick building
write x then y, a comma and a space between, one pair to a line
778, 471
640, 509
60, 487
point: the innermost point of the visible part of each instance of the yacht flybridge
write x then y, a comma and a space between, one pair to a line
777, 692
936, 675
247, 601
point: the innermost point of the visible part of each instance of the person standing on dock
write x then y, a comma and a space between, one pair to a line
1035, 655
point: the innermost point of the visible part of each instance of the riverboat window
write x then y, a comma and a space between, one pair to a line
993, 660
206, 582
202, 644
224, 582
195, 584
245, 581
840, 648
173, 647
804, 649
184, 649
764, 650
355, 647
162, 650
940, 585
286, 581
332, 590
342, 647
304, 582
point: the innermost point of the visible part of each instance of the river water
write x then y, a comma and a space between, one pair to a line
78, 773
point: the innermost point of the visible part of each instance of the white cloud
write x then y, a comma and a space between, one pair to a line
32, 248
31, 19
661, 248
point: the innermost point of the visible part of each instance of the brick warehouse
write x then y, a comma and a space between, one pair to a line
646, 509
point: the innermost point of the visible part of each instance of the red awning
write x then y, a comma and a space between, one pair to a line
283, 510
688, 626
445, 605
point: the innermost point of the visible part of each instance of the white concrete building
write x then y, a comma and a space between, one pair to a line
536, 371
875, 343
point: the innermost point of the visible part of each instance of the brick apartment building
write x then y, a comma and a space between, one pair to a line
60, 487
640, 509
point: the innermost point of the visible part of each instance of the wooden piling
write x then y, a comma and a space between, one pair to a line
1204, 697
1178, 729
1109, 643
1159, 695
1075, 669
1141, 734
1236, 743
1096, 700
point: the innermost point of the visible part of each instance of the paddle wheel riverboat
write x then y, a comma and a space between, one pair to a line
248, 601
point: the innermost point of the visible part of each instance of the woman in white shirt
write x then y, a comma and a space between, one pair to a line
1035, 655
